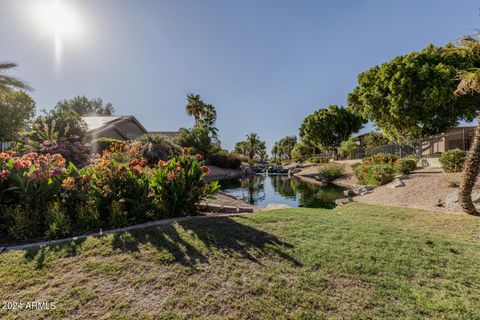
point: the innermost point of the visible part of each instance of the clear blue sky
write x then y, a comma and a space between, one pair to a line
264, 64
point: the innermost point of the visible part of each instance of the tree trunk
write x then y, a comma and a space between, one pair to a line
471, 169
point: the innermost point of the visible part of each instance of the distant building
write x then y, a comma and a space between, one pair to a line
120, 128
114, 127
458, 137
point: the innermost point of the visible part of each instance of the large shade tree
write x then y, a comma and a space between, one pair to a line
412, 96
327, 128
470, 86
84, 106
17, 108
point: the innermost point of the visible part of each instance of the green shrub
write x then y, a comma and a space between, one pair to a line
19, 223
375, 174
452, 160
318, 160
405, 165
58, 223
225, 160
380, 157
179, 186
331, 171
101, 144
156, 148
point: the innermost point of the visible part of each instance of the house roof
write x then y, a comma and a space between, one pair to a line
98, 124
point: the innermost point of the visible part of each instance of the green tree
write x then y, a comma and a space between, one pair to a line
326, 128
84, 106
374, 140
348, 147
283, 147
9, 83
59, 124
17, 109
413, 95
469, 85
198, 139
194, 107
301, 151
253, 147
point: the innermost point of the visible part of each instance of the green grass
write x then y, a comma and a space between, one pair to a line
354, 262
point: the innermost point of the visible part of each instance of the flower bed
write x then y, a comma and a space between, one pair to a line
42, 195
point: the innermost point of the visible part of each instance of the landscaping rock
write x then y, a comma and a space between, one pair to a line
343, 201
275, 206
438, 202
397, 183
363, 189
476, 197
349, 193
451, 198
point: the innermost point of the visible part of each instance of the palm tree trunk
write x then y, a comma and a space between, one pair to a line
471, 169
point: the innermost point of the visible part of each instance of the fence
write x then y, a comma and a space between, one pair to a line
433, 146
4, 145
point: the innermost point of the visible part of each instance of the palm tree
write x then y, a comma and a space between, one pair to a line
469, 83
194, 107
253, 143
9, 83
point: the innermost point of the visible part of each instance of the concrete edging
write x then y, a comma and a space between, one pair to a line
114, 231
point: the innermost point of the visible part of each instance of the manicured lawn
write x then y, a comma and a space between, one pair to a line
353, 262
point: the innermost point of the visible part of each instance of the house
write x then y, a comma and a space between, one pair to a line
458, 137
114, 127
120, 128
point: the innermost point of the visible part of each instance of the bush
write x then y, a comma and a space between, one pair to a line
40, 196
225, 160
381, 157
179, 185
331, 171
405, 165
318, 160
375, 174
101, 144
155, 148
452, 160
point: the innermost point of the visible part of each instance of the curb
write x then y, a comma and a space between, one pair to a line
35, 245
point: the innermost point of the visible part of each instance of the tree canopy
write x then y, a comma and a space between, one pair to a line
413, 95
283, 148
84, 106
253, 147
327, 128
17, 108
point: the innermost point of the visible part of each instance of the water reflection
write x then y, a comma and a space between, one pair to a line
262, 190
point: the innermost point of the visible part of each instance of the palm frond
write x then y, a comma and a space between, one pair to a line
469, 81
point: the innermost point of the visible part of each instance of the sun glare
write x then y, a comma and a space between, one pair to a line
58, 17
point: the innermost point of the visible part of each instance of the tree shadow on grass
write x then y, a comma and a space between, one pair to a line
219, 233
186, 240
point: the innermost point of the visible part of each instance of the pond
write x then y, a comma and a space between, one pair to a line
261, 190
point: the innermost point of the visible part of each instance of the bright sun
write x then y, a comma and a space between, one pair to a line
58, 18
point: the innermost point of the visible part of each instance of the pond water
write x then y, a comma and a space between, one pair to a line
261, 190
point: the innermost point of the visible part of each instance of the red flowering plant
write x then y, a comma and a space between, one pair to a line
31, 179
179, 184
120, 185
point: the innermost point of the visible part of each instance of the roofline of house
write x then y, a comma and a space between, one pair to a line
111, 125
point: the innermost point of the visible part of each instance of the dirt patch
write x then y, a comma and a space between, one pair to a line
347, 296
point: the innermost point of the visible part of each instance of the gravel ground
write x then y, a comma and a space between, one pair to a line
420, 191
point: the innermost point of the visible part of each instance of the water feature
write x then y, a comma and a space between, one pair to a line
264, 189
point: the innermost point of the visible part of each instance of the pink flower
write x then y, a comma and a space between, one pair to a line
4, 174
185, 150
198, 156
205, 169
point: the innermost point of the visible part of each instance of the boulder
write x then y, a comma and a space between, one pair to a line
349, 193
275, 206
362, 189
343, 201
396, 183
451, 198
